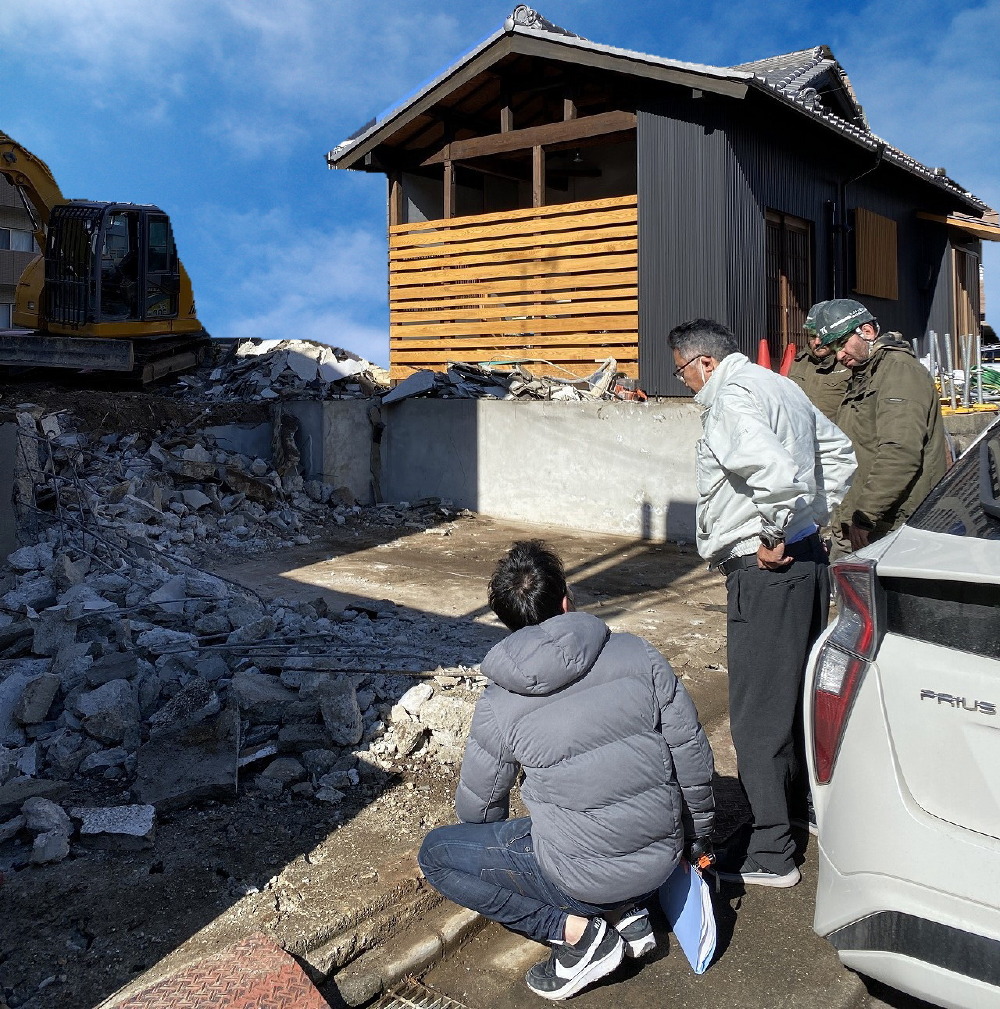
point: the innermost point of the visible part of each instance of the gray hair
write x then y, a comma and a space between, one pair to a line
703, 336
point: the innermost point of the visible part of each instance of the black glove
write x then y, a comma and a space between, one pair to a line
701, 854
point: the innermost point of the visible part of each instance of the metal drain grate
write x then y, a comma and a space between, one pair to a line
410, 994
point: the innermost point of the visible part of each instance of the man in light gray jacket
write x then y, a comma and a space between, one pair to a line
770, 469
617, 779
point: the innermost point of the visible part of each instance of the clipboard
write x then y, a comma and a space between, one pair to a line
687, 903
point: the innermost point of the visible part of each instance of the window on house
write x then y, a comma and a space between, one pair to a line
14, 240
5, 312
875, 255
788, 262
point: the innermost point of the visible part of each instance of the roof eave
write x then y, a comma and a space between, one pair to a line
528, 42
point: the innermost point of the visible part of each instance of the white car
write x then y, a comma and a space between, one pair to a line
902, 717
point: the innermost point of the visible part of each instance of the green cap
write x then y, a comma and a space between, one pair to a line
835, 319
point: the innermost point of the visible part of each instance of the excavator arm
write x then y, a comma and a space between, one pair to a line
33, 179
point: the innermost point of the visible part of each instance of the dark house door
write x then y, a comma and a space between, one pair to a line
788, 262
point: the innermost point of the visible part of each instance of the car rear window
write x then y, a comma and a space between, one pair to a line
967, 500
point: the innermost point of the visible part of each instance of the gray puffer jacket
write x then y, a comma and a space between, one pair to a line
617, 768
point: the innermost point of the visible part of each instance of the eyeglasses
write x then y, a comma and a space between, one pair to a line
680, 371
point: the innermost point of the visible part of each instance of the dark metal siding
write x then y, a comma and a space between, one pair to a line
708, 170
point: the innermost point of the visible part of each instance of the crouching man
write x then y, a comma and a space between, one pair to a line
617, 778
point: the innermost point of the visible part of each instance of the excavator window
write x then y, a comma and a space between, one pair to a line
162, 275
120, 267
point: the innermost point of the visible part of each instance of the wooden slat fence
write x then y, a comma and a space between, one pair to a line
554, 284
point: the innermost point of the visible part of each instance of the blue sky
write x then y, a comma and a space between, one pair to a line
221, 112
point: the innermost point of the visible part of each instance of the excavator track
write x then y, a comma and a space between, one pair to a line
136, 361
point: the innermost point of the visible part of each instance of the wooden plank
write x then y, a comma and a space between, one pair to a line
506, 229
486, 311
534, 136
516, 241
521, 327
537, 268
517, 215
592, 354
558, 252
611, 285
395, 198
577, 339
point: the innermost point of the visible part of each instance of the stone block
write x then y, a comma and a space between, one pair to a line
103, 759
36, 699
11, 828
163, 640
171, 595
15, 674
256, 630
338, 703
190, 764
415, 697
124, 828
447, 717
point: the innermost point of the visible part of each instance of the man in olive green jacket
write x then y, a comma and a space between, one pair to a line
891, 413
818, 373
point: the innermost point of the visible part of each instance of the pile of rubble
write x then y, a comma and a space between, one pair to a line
267, 370
476, 381
133, 682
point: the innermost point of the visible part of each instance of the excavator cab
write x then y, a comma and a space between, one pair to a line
111, 269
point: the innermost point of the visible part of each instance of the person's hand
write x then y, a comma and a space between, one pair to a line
859, 537
773, 558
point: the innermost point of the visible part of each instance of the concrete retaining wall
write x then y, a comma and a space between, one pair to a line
622, 468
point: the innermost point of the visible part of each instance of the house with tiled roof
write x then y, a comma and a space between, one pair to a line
557, 201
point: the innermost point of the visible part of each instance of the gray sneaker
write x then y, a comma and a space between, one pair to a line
570, 967
752, 871
635, 929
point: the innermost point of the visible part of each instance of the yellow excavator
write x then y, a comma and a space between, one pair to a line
107, 294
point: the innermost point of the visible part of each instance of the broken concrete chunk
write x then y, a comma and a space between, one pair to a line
407, 736
256, 630
14, 793
52, 631
125, 828
108, 710
31, 558
338, 703
115, 666
41, 814
193, 703
163, 640
171, 595
36, 593
448, 717
328, 794
36, 699
15, 674
190, 764
303, 736
49, 847
415, 697
287, 770
103, 759
261, 697
12, 827
195, 499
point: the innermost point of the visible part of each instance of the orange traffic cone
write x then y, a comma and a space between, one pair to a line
786, 359
763, 354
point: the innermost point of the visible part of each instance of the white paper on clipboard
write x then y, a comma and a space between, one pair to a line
687, 902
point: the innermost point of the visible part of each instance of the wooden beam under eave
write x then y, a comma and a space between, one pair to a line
449, 190
395, 198
538, 176
534, 136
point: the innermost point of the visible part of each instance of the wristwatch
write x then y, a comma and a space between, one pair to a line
771, 540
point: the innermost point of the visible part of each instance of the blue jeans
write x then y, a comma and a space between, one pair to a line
491, 868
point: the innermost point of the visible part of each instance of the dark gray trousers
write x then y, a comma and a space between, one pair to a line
772, 621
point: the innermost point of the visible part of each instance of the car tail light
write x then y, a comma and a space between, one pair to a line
844, 657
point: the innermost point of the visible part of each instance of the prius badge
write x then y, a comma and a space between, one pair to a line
983, 707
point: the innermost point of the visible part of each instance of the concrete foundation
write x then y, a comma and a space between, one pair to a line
620, 468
